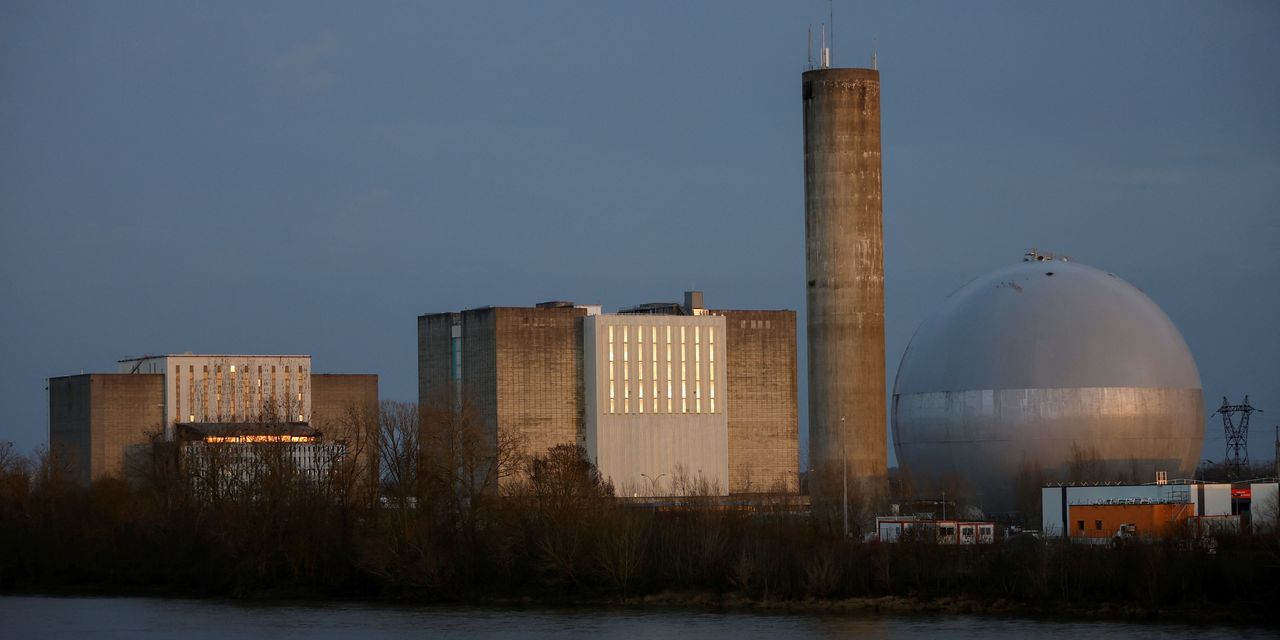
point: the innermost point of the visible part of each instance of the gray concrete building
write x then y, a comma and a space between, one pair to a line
517, 370
99, 421
540, 375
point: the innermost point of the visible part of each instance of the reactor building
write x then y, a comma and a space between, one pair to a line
665, 398
1046, 365
844, 269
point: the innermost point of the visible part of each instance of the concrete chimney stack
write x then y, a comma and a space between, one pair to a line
844, 268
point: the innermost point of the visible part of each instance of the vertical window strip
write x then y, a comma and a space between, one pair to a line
626, 373
669, 369
611, 387
653, 370
640, 367
177, 393
191, 393
684, 375
697, 369
711, 366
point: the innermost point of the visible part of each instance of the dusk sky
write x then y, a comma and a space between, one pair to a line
306, 177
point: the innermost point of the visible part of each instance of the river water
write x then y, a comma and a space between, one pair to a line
148, 618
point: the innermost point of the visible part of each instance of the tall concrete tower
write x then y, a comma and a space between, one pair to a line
844, 267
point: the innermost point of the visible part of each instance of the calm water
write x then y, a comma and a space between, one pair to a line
147, 618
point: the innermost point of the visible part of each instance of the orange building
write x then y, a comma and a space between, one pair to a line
1103, 522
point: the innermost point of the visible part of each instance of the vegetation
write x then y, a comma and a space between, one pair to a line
461, 516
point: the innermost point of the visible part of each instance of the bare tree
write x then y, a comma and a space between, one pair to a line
1085, 464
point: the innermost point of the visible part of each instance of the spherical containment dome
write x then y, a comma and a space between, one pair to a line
1046, 370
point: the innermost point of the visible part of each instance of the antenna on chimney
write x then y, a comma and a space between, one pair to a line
809, 48
824, 52
831, 19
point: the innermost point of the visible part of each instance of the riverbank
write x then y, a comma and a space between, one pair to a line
693, 600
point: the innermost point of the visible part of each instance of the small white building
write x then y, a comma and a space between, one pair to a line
959, 532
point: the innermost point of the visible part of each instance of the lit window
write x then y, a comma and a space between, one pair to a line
653, 348
177, 393
684, 376
626, 373
711, 366
611, 383
668, 369
640, 368
697, 369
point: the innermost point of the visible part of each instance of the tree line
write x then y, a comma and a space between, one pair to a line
460, 514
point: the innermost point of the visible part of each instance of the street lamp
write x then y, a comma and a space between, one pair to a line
653, 482
844, 458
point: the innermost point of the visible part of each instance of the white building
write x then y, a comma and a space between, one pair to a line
656, 422
203, 388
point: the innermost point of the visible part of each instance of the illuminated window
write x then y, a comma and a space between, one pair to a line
684, 376
626, 374
231, 388
697, 369
711, 366
177, 393
653, 370
668, 369
191, 391
640, 368
218, 398
611, 388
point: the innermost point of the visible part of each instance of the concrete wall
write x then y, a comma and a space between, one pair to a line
671, 442
844, 268
520, 370
337, 398
538, 356
70, 423
760, 363
96, 419
434, 380
334, 394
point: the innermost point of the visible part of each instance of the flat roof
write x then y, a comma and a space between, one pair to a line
215, 355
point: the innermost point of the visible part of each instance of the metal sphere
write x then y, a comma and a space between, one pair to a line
1045, 367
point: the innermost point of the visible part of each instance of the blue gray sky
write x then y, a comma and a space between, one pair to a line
307, 177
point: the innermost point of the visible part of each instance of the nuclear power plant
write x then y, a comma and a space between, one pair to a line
1049, 366
844, 269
